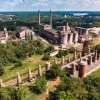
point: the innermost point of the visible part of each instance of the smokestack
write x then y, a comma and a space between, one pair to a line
39, 17
66, 26
51, 18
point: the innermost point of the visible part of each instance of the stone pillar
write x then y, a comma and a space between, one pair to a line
82, 69
55, 61
47, 66
74, 55
90, 60
62, 61
39, 70
94, 58
68, 59
1, 84
29, 74
73, 69
18, 79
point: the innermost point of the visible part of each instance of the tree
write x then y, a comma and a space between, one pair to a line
40, 84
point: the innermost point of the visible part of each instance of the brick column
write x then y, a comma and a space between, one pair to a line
29, 74
90, 60
18, 79
73, 69
74, 58
39, 70
82, 69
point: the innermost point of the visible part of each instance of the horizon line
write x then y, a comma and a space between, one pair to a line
54, 10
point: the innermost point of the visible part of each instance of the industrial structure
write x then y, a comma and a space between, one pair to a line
64, 35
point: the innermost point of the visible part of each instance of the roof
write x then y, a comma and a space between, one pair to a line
21, 29
52, 31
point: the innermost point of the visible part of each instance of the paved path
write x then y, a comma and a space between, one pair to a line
90, 68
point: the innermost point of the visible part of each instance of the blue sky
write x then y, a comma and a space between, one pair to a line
44, 5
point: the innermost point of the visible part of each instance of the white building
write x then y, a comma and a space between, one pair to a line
22, 31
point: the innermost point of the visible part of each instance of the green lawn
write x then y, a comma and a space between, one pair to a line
95, 73
31, 62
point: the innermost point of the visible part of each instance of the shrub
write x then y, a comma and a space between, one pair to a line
46, 57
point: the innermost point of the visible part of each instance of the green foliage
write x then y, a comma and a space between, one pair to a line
11, 93
18, 64
62, 53
40, 84
78, 89
46, 57
97, 47
1, 71
56, 71
72, 49
19, 50
4, 94
49, 49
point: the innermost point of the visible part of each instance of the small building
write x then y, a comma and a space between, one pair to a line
23, 31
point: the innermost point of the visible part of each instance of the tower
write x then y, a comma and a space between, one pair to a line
39, 17
51, 18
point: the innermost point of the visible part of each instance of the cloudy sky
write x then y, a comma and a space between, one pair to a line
56, 5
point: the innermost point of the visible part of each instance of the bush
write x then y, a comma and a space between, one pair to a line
62, 53
1, 71
71, 49
18, 63
40, 84
46, 57
48, 49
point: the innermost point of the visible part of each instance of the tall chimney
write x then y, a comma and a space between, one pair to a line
66, 26
51, 18
39, 17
